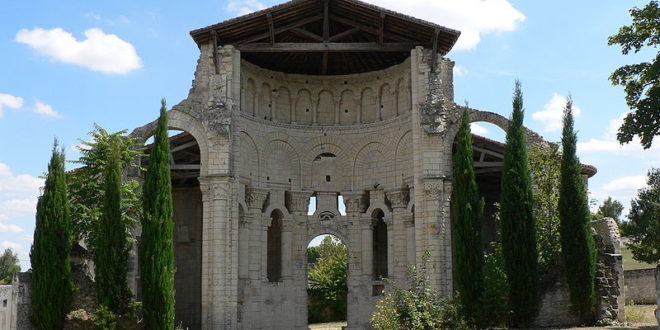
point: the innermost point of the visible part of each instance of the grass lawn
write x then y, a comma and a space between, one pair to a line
637, 317
327, 326
630, 263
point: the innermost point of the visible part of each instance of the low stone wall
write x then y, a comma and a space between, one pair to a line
640, 286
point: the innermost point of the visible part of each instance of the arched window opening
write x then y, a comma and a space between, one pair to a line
327, 280
379, 245
311, 207
274, 254
341, 206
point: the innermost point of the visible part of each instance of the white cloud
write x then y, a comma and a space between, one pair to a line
9, 101
472, 17
46, 110
18, 183
460, 71
242, 7
478, 129
609, 144
552, 113
99, 51
623, 188
9, 228
10, 245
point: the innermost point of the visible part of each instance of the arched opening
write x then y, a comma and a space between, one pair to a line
380, 269
274, 246
185, 163
327, 274
488, 143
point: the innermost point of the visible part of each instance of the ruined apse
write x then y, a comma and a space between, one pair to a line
330, 101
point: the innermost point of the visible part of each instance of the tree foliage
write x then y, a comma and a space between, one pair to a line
327, 275
611, 208
545, 165
467, 213
156, 251
641, 81
9, 266
52, 286
576, 240
111, 247
86, 183
644, 220
518, 236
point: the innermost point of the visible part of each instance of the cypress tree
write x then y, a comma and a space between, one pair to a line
156, 251
112, 247
518, 224
467, 210
576, 241
52, 287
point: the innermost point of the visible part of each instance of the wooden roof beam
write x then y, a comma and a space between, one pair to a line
294, 47
368, 29
307, 34
326, 21
344, 34
381, 28
271, 29
283, 28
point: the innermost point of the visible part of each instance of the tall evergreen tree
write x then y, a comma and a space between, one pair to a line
52, 287
111, 245
467, 211
156, 251
518, 224
576, 241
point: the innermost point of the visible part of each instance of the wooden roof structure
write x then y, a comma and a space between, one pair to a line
327, 37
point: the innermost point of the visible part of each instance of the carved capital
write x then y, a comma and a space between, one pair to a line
433, 189
398, 197
215, 188
297, 201
255, 197
355, 201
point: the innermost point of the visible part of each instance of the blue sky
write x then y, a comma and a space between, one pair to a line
68, 65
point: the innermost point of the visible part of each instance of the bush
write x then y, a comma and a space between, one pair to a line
418, 307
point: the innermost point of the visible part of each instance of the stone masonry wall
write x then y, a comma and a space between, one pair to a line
640, 286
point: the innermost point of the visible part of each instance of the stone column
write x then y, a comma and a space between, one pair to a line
219, 275
297, 202
254, 198
399, 198
355, 203
358, 107
437, 231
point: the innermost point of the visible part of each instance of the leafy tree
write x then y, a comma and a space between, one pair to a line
86, 183
327, 286
467, 212
644, 224
518, 236
112, 247
611, 208
641, 81
418, 306
52, 287
576, 240
8, 266
156, 252
544, 165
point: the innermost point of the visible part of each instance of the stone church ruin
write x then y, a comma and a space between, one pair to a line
322, 99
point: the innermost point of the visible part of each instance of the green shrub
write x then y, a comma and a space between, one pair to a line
105, 319
417, 307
